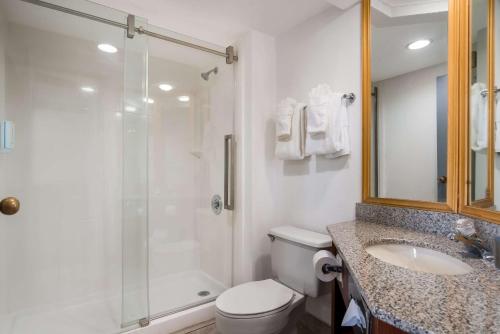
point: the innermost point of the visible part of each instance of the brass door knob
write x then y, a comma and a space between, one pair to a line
9, 206
442, 179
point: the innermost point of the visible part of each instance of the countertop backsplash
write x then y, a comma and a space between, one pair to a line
441, 223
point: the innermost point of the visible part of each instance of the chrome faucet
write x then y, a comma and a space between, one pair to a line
465, 232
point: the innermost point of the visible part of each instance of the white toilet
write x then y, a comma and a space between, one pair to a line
271, 306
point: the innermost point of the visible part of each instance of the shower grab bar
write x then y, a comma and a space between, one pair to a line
229, 149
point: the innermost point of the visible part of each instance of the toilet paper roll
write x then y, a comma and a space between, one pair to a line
321, 258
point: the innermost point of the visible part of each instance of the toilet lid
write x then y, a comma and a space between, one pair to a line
254, 297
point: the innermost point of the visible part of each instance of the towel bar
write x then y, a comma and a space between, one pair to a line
349, 98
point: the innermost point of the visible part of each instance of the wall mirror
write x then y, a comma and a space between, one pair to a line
480, 187
408, 103
480, 179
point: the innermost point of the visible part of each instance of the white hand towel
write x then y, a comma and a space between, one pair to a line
332, 140
479, 117
283, 119
318, 109
293, 147
343, 141
497, 126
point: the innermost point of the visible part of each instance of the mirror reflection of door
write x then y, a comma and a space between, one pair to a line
442, 135
409, 74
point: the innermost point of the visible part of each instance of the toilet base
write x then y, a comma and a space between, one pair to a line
293, 320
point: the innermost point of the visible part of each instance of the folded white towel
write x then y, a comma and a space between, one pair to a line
319, 106
333, 140
293, 147
283, 119
479, 117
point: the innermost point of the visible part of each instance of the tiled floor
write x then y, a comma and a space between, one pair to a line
207, 327
206, 330
308, 324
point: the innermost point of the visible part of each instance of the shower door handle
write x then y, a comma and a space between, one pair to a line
9, 206
229, 172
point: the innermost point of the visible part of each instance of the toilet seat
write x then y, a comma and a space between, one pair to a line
255, 299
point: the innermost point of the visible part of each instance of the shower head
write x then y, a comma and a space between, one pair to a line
207, 74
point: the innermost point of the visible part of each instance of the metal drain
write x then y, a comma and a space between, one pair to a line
203, 293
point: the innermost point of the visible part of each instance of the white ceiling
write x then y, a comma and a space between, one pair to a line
222, 21
391, 35
398, 8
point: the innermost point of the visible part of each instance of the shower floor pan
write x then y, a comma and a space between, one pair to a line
168, 294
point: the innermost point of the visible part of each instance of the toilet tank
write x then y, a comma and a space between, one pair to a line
292, 251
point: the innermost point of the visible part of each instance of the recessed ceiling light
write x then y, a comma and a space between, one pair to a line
130, 109
87, 89
165, 87
108, 48
183, 98
149, 100
421, 43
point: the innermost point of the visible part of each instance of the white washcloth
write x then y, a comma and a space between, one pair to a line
293, 147
319, 106
283, 119
479, 117
335, 138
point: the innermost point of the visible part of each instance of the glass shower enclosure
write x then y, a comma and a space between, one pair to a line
117, 150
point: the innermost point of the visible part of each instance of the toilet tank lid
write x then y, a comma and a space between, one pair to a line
301, 236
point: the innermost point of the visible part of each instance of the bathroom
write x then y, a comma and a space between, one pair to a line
162, 200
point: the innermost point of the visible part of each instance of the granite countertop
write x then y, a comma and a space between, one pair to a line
419, 302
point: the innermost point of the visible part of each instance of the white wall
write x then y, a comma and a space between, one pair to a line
64, 245
408, 134
173, 196
317, 192
313, 193
256, 204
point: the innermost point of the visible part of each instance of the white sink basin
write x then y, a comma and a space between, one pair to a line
419, 259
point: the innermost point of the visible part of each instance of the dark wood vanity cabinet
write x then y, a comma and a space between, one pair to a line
341, 296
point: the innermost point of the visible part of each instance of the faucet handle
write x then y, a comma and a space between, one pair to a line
466, 227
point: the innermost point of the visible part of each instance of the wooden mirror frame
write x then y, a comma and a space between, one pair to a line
451, 203
477, 211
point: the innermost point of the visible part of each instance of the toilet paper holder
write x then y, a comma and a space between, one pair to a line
328, 268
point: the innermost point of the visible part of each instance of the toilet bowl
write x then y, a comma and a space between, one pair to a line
259, 307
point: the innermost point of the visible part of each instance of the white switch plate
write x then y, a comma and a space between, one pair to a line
7, 136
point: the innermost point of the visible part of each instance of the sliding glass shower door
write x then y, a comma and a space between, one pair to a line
76, 162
